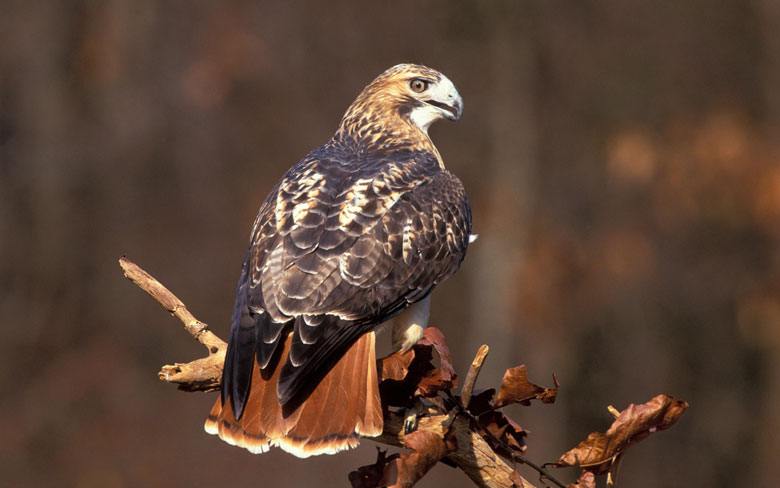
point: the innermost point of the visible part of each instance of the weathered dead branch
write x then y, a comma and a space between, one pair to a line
447, 434
467, 430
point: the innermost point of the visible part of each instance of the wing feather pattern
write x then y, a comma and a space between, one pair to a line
337, 249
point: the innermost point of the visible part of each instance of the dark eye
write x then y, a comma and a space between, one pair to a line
418, 85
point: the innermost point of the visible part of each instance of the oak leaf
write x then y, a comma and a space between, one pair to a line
423, 371
425, 449
515, 388
442, 377
632, 425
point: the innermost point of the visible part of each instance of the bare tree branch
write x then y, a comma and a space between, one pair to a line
439, 435
202, 374
468, 431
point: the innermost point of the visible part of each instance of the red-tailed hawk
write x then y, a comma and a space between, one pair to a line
358, 232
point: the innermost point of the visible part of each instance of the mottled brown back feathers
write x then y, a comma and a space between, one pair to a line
357, 231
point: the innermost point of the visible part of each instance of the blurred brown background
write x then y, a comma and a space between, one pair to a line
622, 159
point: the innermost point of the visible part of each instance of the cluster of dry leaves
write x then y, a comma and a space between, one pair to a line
422, 381
468, 430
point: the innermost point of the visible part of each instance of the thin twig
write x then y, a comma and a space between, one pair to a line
543, 473
471, 376
170, 302
471, 452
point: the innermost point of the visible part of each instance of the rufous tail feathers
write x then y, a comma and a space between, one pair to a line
343, 407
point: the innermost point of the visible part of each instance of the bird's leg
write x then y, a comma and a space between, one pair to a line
411, 416
404, 340
408, 328
410, 325
422, 407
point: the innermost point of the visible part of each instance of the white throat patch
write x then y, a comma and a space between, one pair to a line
424, 116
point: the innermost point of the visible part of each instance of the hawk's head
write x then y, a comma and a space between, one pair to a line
411, 92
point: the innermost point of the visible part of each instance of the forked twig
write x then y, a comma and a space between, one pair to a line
468, 449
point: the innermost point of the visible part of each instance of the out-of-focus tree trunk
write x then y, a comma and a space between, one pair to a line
504, 210
768, 442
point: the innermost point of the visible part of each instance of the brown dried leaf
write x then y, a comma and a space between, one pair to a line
481, 401
395, 366
427, 448
406, 469
442, 377
414, 373
586, 480
374, 475
504, 430
632, 425
515, 388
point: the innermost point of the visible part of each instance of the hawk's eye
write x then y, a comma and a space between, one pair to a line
418, 85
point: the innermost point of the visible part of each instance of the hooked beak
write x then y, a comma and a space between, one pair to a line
454, 111
446, 97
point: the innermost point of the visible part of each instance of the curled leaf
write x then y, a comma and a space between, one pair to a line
504, 430
424, 371
481, 401
405, 469
442, 377
515, 388
374, 475
395, 366
632, 425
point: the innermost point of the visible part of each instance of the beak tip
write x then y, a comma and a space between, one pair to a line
458, 109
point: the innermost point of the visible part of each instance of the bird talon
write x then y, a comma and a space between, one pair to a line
410, 421
412, 415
